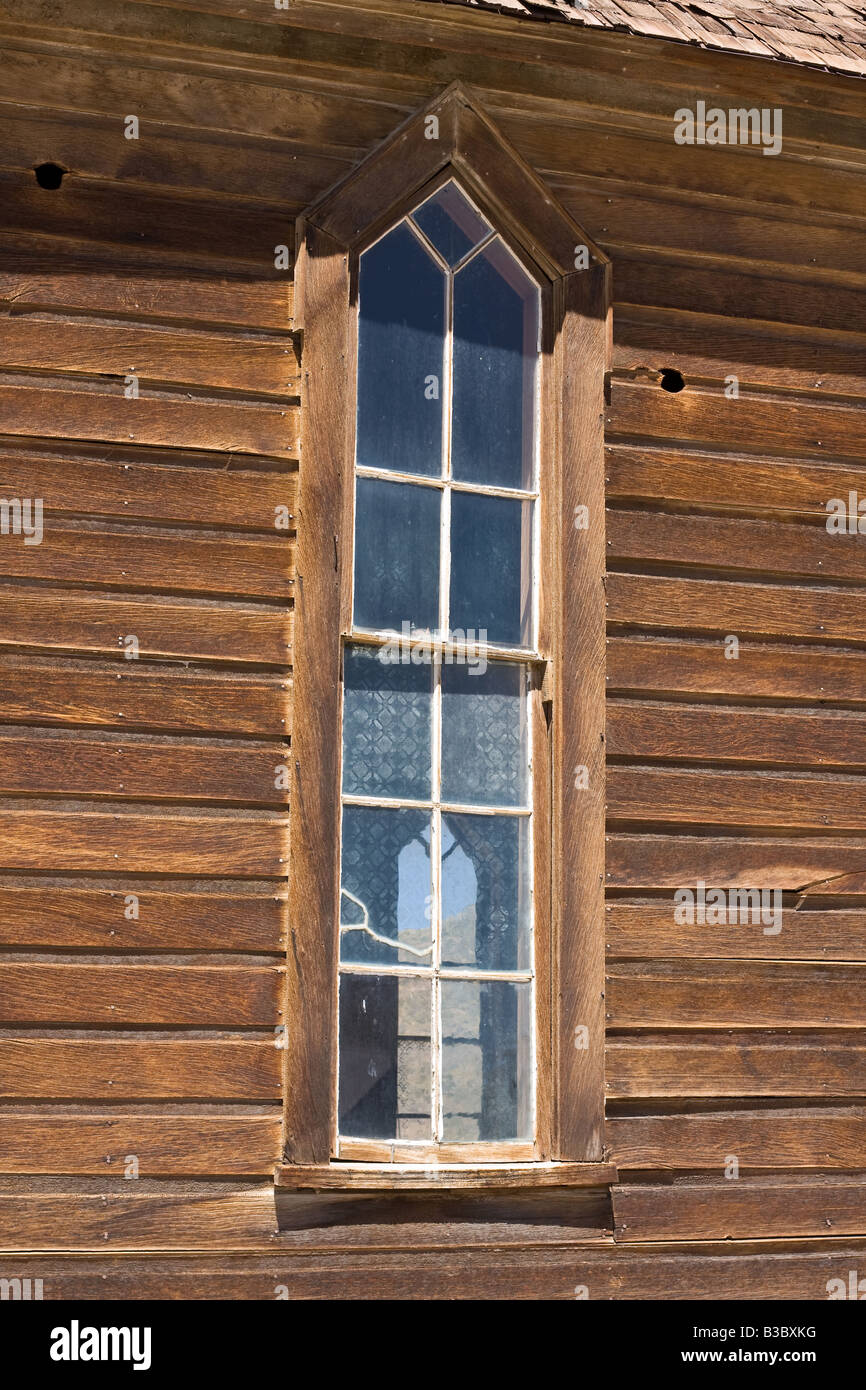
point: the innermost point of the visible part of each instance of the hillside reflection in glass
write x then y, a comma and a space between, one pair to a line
436, 1012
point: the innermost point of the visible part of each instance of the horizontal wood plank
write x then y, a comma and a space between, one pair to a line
736, 1064
715, 1271
192, 1145
645, 930
736, 797
211, 493
245, 844
671, 280
756, 422
185, 628
753, 994
153, 420
59, 916
727, 480
710, 346
51, 1067
117, 995
769, 548
824, 866
813, 738
233, 362
70, 765
808, 1138
207, 1216
702, 667
127, 559
114, 281
134, 695
742, 609
747, 1208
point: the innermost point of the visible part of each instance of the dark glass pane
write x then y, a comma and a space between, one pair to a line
495, 355
396, 555
451, 223
384, 1057
486, 892
484, 753
491, 546
386, 887
400, 345
486, 1060
386, 726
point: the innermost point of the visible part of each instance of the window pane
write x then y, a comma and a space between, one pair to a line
396, 555
386, 869
401, 335
491, 546
486, 892
495, 355
386, 726
384, 1086
484, 753
450, 222
486, 1060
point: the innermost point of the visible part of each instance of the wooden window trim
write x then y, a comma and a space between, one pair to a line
570, 690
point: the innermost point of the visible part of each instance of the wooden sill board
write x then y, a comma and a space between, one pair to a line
371, 1177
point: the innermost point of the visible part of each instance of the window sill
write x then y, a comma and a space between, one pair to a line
419, 1177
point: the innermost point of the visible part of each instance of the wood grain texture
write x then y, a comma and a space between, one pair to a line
184, 486
826, 866
161, 220
140, 284
764, 423
191, 1145
671, 280
707, 1272
748, 1207
323, 549
360, 1177
812, 1137
579, 727
187, 628
728, 797
142, 696
117, 995
720, 543
700, 666
122, 558
246, 844
735, 734
756, 994
736, 1064
648, 930
60, 1068
65, 915
703, 605
230, 361
714, 479
140, 1216
143, 770
150, 419
703, 346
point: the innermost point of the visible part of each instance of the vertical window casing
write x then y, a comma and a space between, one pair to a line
437, 1008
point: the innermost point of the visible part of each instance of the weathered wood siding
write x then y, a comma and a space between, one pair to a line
156, 258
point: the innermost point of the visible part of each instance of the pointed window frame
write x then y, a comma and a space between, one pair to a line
453, 140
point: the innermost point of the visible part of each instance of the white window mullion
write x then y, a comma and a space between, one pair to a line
436, 908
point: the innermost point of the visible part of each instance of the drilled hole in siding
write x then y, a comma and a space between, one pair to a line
672, 380
49, 175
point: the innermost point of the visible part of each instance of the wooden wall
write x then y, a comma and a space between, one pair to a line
156, 257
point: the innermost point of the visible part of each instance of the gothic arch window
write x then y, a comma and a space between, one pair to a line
445, 997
